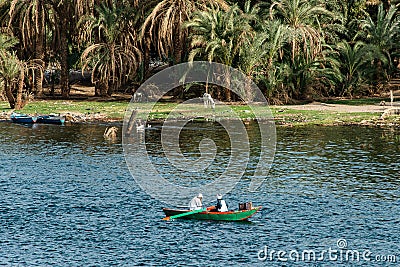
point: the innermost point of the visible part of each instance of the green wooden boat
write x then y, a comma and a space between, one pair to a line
239, 215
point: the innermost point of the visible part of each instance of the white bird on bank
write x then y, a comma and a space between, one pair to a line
140, 127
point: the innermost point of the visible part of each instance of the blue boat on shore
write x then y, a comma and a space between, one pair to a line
46, 119
23, 118
50, 119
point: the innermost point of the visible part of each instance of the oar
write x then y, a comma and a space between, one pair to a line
183, 214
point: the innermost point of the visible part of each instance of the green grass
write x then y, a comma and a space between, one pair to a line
160, 111
111, 109
314, 117
192, 111
358, 102
4, 106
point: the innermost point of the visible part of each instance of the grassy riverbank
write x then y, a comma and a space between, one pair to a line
343, 112
101, 110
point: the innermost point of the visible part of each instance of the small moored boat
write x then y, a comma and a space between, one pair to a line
22, 118
50, 119
209, 214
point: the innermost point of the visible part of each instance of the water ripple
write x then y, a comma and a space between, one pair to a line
67, 199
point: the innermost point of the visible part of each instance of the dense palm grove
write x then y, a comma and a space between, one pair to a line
292, 49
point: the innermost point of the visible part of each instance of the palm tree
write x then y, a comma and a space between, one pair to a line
340, 24
7, 42
304, 76
262, 52
253, 57
115, 56
274, 83
219, 36
354, 63
164, 24
30, 18
65, 19
278, 37
9, 66
46, 29
12, 71
384, 33
301, 17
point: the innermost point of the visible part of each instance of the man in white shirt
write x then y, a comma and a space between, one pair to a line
221, 204
196, 202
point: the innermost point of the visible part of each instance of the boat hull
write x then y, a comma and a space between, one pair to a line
214, 215
22, 118
47, 119
51, 119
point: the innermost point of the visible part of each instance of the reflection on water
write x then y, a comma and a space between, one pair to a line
355, 162
67, 199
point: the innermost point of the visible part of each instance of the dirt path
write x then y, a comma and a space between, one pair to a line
339, 107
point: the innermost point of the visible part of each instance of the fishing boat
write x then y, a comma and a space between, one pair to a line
22, 118
50, 119
210, 214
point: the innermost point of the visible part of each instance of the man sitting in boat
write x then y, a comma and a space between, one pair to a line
196, 202
221, 204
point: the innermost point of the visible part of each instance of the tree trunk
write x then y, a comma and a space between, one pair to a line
37, 82
97, 89
113, 76
228, 90
101, 89
227, 84
10, 97
104, 89
39, 50
20, 103
248, 90
111, 88
64, 75
178, 51
146, 58
179, 42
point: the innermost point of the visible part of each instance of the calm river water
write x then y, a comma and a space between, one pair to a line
68, 199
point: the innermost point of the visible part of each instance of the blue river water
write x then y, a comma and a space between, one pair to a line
67, 198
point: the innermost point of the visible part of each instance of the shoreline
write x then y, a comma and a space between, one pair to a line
316, 113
